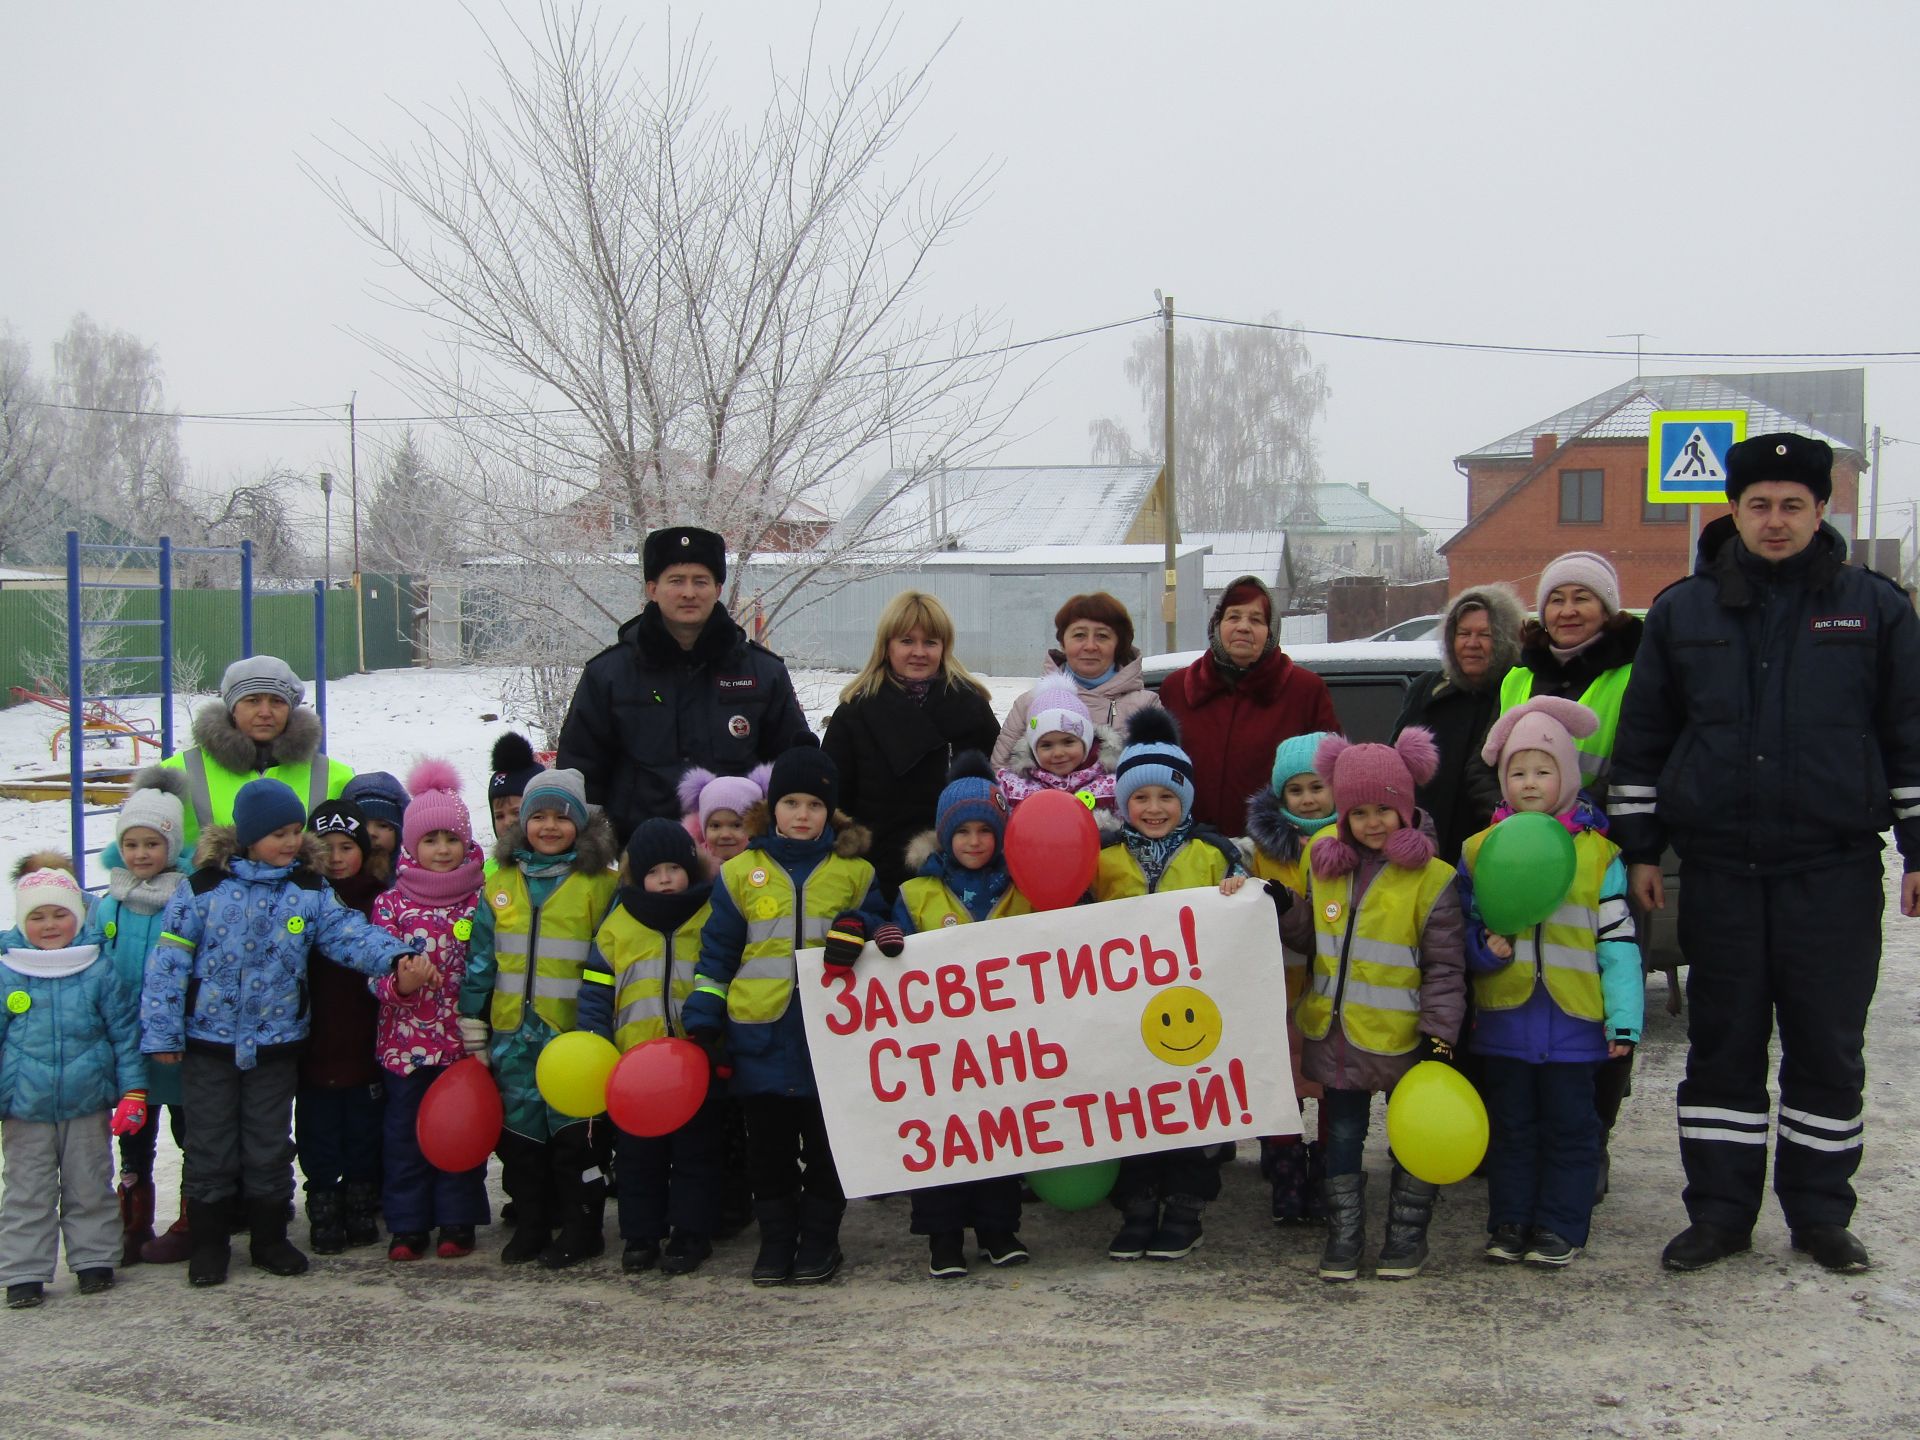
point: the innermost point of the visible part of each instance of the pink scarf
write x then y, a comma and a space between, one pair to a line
437, 888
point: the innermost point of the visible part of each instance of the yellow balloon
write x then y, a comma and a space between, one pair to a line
1436, 1124
572, 1073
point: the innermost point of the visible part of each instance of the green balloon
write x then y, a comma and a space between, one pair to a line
1524, 870
1075, 1187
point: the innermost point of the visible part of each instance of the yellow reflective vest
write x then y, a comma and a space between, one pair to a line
1564, 951
932, 905
557, 935
652, 974
1194, 866
1293, 875
1366, 963
1603, 697
780, 923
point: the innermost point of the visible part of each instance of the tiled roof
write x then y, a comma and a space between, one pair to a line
1001, 507
1343, 507
1827, 404
1240, 552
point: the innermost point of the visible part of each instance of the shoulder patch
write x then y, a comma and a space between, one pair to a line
753, 644
206, 880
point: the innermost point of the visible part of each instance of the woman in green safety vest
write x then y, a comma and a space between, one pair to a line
1581, 647
260, 727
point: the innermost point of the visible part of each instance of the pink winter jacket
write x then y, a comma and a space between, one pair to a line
436, 909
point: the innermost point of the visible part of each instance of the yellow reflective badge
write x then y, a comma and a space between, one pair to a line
463, 930
1086, 798
757, 878
112, 928
296, 924
1332, 912
19, 1002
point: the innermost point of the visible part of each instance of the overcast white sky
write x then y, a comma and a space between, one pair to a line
1725, 177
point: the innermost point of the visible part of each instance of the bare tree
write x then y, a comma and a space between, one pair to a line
412, 523
120, 453
1246, 402
29, 457
646, 303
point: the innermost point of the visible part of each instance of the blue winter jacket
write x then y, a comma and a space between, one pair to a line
128, 933
69, 1034
767, 1059
230, 970
1539, 1031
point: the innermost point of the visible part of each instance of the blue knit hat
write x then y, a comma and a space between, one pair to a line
1153, 757
970, 795
1295, 757
264, 806
379, 795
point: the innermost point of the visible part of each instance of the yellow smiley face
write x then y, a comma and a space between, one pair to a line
1180, 1025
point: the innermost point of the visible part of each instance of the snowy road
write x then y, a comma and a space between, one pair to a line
1240, 1340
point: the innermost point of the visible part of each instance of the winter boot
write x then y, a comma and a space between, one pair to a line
136, 1219
582, 1212
362, 1213
1179, 1229
206, 1227
684, 1253
267, 1243
1702, 1244
817, 1258
173, 1247
947, 1255
525, 1175
1316, 1188
779, 1235
1288, 1172
326, 1221
1139, 1222
1346, 1197
1409, 1211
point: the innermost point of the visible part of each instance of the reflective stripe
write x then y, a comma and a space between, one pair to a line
1592, 766
1569, 957
1906, 792
759, 932
1732, 1137
201, 798
1816, 1142
1821, 1122
637, 1013
1378, 952
318, 769
168, 937
1382, 997
556, 987
596, 977
707, 987
1650, 791
1711, 1112
1906, 812
1631, 809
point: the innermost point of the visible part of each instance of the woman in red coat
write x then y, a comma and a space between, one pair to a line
1237, 702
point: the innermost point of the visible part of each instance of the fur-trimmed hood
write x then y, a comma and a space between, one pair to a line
220, 846
1272, 833
215, 733
1505, 614
851, 839
595, 848
1106, 752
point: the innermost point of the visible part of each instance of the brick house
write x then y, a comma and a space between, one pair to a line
1578, 480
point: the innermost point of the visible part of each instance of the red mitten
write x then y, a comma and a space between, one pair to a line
130, 1114
889, 940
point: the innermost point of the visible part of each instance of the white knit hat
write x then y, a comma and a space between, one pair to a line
158, 811
48, 887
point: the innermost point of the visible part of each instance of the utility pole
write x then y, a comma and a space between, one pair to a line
359, 596
1873, 504
1169, 601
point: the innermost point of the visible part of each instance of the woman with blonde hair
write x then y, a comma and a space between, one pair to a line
900, 723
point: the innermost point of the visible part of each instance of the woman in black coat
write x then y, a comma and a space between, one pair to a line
899, 725
1479, 643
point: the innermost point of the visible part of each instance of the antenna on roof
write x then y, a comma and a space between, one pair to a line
1638, 337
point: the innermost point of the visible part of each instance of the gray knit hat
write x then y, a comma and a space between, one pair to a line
261, 675
155, 807
567, 788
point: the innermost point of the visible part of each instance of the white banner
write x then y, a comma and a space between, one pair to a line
1076, 1035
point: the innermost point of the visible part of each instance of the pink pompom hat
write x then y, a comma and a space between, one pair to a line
436, 804
1375, 775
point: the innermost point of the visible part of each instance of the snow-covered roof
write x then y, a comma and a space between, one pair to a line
1001, 507
1332, 507
1241, 552
1826, 404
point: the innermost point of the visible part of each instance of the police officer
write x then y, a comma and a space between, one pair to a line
683, 686
1771, 732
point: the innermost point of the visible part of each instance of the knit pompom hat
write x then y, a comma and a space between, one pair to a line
1153, 757
702, 792
155, 805
970, 794
1375, 775
1546, 723
514, 766
263, 806
48, 887
436, 805
1056, 708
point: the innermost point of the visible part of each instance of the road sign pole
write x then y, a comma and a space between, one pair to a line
1693, 540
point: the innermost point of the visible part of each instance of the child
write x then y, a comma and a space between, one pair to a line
147, 834
514, 766
226, 999
1063, 749
810, 864
1388, 987
1161, 1196
383, 801
50, 860
553, 886
340, 1111
716, 808
962, 877
638, 978
1280, 819
1551, 1004
431, 904
69, 1048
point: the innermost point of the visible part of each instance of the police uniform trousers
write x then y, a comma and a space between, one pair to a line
1803, 948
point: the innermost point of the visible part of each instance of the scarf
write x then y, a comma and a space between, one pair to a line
916, 690
52, 964
437, 889
1096, 682
145, 897
1563, 656
978, 890
1303, 824
544, 867
1153, 855
663, 914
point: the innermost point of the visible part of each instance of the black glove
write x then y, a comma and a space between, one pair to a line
889, 940
1281, 896
846, 939
714, 1042
1437, 1049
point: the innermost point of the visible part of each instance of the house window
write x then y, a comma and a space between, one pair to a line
1580, 497
1652, 514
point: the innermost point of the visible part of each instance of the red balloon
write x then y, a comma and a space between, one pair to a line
460, 1117
657, 1086
1053, 847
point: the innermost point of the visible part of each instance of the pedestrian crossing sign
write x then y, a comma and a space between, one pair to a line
1687, 455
